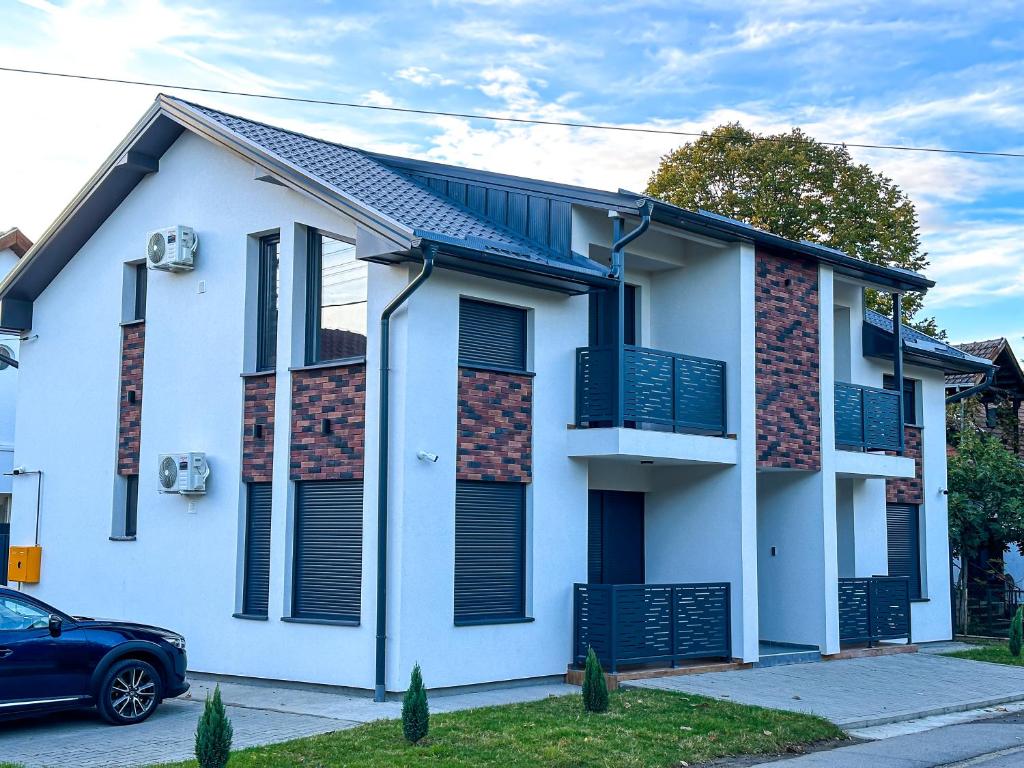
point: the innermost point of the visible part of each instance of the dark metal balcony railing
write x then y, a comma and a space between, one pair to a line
867, 418
659, 390
646, 623
873, 609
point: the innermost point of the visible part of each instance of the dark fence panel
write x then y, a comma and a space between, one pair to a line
660, 390
874, 608
867, 418
646, 623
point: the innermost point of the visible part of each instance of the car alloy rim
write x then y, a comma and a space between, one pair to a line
132, 692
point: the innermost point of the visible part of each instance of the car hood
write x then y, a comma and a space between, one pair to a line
131, 626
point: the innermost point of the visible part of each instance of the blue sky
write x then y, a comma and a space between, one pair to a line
936, 74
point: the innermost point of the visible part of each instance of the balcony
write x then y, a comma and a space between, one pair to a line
867, 418
873, 609
651, 623
655, 390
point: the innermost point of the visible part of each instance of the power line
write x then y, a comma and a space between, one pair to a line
494, 118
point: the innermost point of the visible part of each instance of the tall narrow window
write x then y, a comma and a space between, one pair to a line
909, 397
492, 335
327, 578
335, 300
131, 505
141, 276
903, 530
256, 570
490, 552
266, 326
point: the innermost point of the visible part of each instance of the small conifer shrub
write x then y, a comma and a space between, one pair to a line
1017, 632
595, 689
213, 735
415, 711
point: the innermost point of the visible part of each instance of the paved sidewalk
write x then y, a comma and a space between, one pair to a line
260, 714
858, 693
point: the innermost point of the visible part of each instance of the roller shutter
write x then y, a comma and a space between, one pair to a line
902, 523
492, 335
256, 587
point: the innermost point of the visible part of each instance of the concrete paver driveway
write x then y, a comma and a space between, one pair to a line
857, 693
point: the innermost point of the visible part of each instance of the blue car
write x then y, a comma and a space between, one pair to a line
52, 661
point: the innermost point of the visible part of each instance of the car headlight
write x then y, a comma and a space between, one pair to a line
176, 640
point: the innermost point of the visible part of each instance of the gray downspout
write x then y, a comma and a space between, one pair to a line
897, 363
618, 273
8, 360
957, 397
429, 253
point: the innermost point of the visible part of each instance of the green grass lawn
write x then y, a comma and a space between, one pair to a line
654, 729
997, 653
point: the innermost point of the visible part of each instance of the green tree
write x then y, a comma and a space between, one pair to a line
986, 500
595, 689
213, 735
415, 710
796, 187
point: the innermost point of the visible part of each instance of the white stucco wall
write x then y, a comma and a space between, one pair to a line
8, 390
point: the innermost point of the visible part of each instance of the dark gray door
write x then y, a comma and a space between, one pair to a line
904, 544
615, 547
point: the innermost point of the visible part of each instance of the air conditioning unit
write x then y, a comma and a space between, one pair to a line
172, 249
183, 473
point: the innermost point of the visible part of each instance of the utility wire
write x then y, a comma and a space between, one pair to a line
494, 118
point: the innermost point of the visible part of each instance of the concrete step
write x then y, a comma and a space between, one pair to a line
779, 654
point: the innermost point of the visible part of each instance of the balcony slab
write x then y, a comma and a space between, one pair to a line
872, 465
634, 445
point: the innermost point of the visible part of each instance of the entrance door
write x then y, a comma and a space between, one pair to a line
615, 546
602, 317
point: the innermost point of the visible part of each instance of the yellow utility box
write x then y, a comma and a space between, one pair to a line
23, 564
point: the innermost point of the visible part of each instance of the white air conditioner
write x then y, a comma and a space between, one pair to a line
172, 249
183, 473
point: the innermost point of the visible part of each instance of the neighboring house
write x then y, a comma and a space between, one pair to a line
715, 468
13, 245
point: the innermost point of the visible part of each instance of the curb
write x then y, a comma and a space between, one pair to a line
870, 722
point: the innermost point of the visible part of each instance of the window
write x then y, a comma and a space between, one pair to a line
266, 303
141, 276
991, 416
603, 311
328, 558
335, 300
256, 571
490, 552
909, 397
492, 335
17, 614
131, 505
902, 526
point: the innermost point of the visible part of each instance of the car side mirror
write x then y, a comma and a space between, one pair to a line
55, 625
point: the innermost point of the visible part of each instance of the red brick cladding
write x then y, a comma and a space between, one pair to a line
339, 395
258, 450
129, 417
787, 363
495, 426
910, 490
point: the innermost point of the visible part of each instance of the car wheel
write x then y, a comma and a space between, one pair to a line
130, 692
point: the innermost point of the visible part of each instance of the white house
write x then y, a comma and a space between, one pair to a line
13, 245
714, 471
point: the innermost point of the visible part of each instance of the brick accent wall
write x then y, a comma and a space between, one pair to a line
129, 418
787, 363
909, 490
339, 395
495, 426
258, 410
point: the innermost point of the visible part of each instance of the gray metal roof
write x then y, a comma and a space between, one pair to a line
927, 346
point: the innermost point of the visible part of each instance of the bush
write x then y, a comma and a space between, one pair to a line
213, 736
595, 689
415, 711
1017, 632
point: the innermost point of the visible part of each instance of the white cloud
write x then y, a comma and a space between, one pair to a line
418, 75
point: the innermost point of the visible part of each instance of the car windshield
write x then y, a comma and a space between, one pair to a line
19, 614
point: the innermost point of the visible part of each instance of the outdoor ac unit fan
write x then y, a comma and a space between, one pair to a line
183, 473
172, 249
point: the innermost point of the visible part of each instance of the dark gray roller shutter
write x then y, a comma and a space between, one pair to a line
256, 586
328, 550
492, 335
5, 541
595, 539
490, 551
904, 544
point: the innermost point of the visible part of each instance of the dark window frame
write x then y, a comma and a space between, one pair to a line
521, 340
249, 597
519, 614
267, 302
131, 506
314, 295
909, 398
141, 283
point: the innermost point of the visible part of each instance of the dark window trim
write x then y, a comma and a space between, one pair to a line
341, 362
497, 369
486, 622
141, 285
314, 268
249, 616
267, 303
909, 393
314, 620
128, 323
